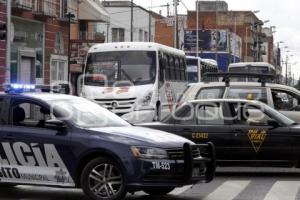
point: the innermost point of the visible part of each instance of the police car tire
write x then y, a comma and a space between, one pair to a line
85, 179
159, 191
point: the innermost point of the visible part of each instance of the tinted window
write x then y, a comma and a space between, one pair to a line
259, 94
211, 93
28, 114
1, 107
209, 114
285, 101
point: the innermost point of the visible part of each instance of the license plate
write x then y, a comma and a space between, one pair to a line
161, 166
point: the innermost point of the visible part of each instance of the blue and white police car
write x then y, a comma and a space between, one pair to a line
66, 141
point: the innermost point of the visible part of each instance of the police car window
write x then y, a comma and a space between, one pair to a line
86, 114
210, 114
29, 114
259, 94
210, 93
285, 101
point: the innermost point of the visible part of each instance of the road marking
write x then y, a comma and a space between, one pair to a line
283, 190
228, 190
181, 190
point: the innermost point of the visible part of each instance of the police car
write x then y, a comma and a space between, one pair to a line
244, 132
66, 141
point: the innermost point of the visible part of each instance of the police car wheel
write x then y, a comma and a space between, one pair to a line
103, 179
159, 190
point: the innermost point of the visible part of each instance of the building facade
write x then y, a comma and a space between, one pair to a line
2, 46
119, 27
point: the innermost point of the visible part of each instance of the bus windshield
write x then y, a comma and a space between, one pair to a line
121, 67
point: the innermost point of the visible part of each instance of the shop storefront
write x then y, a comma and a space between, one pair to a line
27, 51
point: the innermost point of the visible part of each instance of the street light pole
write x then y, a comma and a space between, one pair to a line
131, 22
197, 31
70, 16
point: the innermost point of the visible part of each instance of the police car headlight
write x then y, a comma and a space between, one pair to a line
149, 153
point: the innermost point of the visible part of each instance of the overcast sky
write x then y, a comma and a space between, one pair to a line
282, 14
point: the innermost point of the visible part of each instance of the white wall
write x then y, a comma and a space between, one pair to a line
120, 18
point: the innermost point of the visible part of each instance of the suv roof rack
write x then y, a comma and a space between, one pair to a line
263, 78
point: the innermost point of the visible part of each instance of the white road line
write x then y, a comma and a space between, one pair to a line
181, 190
228, 190
283, 190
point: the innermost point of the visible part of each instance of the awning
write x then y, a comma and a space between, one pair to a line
92, 10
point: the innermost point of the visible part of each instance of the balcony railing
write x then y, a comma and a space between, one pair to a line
91, 36
46, 8
23, 4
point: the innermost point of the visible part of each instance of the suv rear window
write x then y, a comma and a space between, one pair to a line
211, 93
259, 94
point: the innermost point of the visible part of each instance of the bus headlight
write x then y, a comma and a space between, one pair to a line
149, 153
146, 100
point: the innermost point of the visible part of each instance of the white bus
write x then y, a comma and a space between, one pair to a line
251, 67
197, 67
139, 81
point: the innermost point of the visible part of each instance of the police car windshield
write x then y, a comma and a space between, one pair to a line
86, 114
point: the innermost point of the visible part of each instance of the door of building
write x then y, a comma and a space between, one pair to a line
26, 72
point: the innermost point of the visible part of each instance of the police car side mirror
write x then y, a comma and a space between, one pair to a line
273, 123
55, 124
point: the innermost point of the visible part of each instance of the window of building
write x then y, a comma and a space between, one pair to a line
59, 69
50, 7
146, 37
59, 43
118, 35
141, 35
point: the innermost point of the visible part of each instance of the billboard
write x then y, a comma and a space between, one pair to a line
208, 40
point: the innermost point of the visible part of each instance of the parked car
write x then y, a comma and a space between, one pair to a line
283, 98
244, 132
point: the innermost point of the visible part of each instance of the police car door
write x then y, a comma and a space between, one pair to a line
33, 153
254, 138
205, 123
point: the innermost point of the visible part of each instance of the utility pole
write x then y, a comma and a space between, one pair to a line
8, 38
168, 9
216, 56
131, 22
150, 21
197, 33
286, 70
176, 43
107, 31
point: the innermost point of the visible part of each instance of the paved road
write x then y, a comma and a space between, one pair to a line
230, 184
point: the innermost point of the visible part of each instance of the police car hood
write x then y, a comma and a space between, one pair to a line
145, 136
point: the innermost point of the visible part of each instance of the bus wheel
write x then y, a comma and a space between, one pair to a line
157, 116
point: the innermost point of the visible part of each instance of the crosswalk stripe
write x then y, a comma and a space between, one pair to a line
181, 190
283, 190
228, 190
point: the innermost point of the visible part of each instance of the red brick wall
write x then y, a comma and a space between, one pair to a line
52, 26
2, 46
164, 34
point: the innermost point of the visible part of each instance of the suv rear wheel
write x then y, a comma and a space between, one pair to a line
103, 179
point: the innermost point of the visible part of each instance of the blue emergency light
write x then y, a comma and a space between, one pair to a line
19, 88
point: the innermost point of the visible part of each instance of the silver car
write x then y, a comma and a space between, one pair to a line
283, 98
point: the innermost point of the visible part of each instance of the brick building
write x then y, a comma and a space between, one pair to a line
40, 38
2, 46
243, 23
